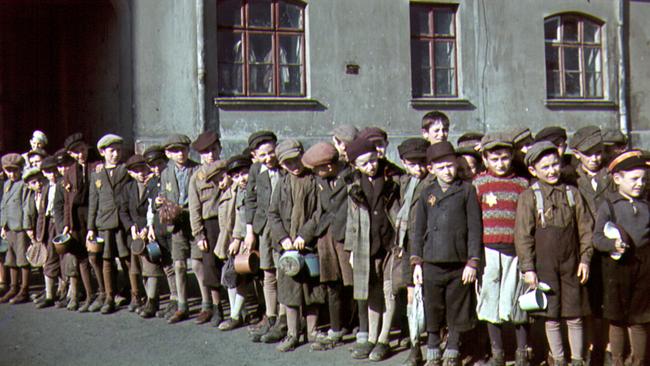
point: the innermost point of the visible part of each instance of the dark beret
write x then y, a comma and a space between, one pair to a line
495, 140
49, 163
413, 149
537, 151
135, 161
320, 154
440, 150
13, 160
73, 140
63, 158
238, 162
613, 137
153, 153
374, 134
260, 137
358, 147
586, 138
469, 139
629, 160
554, 134
176, 140
205, 141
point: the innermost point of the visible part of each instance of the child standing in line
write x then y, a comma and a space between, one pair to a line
435, 127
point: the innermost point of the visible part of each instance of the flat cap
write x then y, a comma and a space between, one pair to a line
345, 133
554, 134
260, 137
358, 147
215, 168
63, 158
586, 138
238, 162
32, 173
320, 154
374, 134
108, 140
39, 135
613, 136
135, 161
469, 139
153, 153
13, 160
205, 141
440, 150
176, 140
629, 160
413, 149
40, 152
520, 135
494, 140
49, 163
288, 149
73, 140
538, 150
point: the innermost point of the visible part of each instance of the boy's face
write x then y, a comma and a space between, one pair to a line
211, 154
36, 144
223, 181
381, 148
178, 154
240, 178
631, 183
265, 154
157, 166
547, 169
325, 171
62, 169
139, 173
50, 175
79, 153
468, 166
13, 174
112, 154
498, 161
293, 166
436, 132
35, 184
35, 160
444, 169
590, 160
367, 164
414, 168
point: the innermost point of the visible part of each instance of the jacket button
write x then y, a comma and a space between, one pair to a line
375, 213
435, 228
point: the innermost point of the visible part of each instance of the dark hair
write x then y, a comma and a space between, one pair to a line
435, 116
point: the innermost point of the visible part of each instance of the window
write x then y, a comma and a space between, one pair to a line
261, 48
573, 57
433, 51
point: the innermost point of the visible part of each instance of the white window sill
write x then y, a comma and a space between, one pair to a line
459, 103
266, 103
580, 104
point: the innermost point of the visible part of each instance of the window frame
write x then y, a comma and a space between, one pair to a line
432, 39
276, 32
561, 45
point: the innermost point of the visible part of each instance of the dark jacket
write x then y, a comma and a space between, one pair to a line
104, 198
632, 217
282, 206
76, 185
448, 226
594, 198
258, 197
133, 208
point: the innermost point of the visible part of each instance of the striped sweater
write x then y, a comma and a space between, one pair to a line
498, 197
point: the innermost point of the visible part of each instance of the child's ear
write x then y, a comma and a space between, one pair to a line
425, 133
430, 169
532, 171
618, 177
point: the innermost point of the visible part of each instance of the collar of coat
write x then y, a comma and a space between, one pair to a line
455, 187
548, 189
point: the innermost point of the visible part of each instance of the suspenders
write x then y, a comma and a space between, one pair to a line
539, 201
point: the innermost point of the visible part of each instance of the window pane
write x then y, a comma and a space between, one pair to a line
291, 80
261, 79
572, 84
229, 13
553, 83
592, 32
552, 60
420, 20
230, 79
420, 56
592, 59
444, 54
259, 13
260, 48
443, 22
290, 50
290, 15
229, 47
552, 29
572, 59
570, 29
421, 81
444, 82
594, 85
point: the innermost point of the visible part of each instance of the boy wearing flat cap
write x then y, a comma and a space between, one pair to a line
413, 153
435, 127
328, 226
262, 181
373, 200
626, 263
107, 183
446, 253
614, 142
468, 149
174, 195
12, 224
521, 139
341, 137
553, 232
498, 190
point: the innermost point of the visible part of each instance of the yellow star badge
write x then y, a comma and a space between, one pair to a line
432, 200
98, 183
168, 187
491, 199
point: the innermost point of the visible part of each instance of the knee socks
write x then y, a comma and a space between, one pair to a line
180, 273
271, 293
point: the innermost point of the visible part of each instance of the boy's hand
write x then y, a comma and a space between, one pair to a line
417, 274
66, 230
351, 260
469, 275
249, 240
286, 244
151, 235
530, 278
299, 243
233, 248
90, 236
620, 246
203, 245
134, 232
3, 233
30, 235
583, 273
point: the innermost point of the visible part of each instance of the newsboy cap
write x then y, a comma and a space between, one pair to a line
586, 138
63, 158
205, 141
413, 149
520, 135
215, 168
134, 161
288, 149
345, 133
440, 150
554, 134
374, 134
32, 173
176, 140
260, 137
538, 150
108, 140
495, 140
629, 160
153, 153
469, 139
12, 160
358, 147
49, 163
320, 154
612, 136
238, 162
73, 140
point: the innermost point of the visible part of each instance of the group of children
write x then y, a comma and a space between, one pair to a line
473, 228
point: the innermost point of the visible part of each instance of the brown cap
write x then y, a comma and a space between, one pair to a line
108, 140
413, 149
153, 153
554, 134
176, 140
629, 160
358, 147
520, 135
586, 138
260, 137
49, 163
214, 168
320, 154
238, 162
613, 137
374, 134
205, 141
13, 160
288, 149
537, 151
440, 150
345, 133
73, 140
135, 161
495, 140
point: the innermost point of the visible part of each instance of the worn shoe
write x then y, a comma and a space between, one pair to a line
230, 324
120, 300
264, 327
61, 303
204, 316
326, 341
85, 305
135, 303
150, 308
288, 344
577, 362
37, 297
13, 291
277, 332
415, 356
20, 298
217, 315
45, 303
361, 351
108, 307
169, 310
72, 305
178, 316
434, 362
379, 352
98, 303
451, 358
521, 358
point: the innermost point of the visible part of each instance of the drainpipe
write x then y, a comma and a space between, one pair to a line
622, 72
200, 67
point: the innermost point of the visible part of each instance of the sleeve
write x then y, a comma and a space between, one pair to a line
419, 232
239, 227
251, 195
602, 243
93, 201
29, 209
125, 212
196, 219
474, 229
585, 228
58, 208
308, 229
278, 233
525, 222
3, 211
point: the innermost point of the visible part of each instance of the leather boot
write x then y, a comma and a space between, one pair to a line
13, 291
135, 302
277, 332
21, 297
150, 309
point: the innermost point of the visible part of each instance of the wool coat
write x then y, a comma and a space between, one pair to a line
14, 202
104, 198
258, 197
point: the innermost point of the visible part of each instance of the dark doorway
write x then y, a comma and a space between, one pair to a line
59, 70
